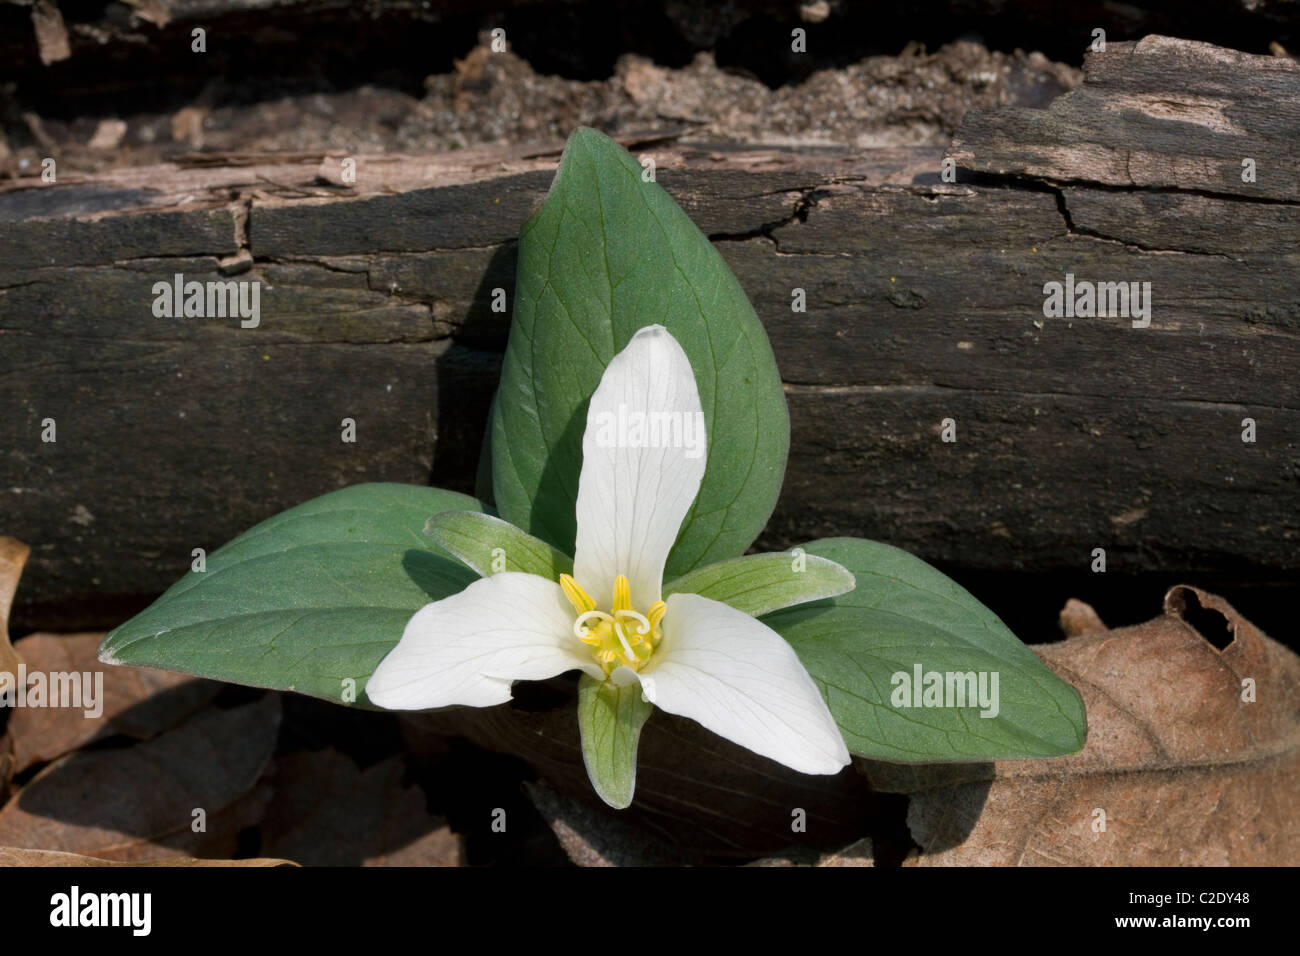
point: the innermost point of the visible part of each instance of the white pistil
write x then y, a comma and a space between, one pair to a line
578, 626
640, 618
618, 629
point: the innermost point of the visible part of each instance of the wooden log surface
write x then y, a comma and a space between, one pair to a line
924, 302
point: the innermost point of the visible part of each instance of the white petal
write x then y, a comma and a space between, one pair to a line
468, 648
741, 680
631, 500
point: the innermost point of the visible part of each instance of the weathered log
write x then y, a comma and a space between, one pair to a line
1157, 114
925, 301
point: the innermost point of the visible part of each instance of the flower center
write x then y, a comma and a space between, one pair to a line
620, 637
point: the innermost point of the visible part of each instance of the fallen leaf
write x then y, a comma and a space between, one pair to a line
1078, 618
595, 837
328, 812
438, 847
855, 854
139, 803
137, 701
13, 555
6, 766
16, 856
1193, 757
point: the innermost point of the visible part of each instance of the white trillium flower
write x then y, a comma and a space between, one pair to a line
693, 656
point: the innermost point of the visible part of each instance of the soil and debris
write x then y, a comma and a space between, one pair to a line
913, 99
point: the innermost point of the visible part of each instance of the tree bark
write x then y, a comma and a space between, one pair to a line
925, 302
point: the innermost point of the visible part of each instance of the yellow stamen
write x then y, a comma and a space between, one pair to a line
622, 594
623, 638
580, 599
656, 614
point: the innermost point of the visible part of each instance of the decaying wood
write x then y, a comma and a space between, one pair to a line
1157, 114
924, 302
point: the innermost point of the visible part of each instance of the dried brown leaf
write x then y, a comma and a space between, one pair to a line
855, 854
1078, 618
328, 812
13, 555
6, 766
597, 837
1179, 765
138, 803
137, 701
858, 853
16, 856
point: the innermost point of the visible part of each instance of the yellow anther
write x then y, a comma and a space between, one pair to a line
622, 594
621, 637
580, 599
656, 613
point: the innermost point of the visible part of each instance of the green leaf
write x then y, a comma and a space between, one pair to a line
610, 720
473, 536
903, 613
761, 583
606, 255
305, 601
